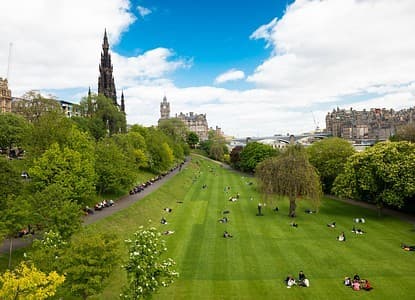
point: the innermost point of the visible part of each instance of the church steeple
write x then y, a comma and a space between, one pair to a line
106, 84
122, 102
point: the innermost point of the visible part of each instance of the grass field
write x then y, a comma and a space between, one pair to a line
264, 250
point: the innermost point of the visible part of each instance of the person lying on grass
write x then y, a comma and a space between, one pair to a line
407, 248
332, 225
227, 235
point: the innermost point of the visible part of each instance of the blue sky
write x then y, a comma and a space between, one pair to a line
213, 35
253, 67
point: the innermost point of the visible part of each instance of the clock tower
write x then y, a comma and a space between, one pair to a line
164, 109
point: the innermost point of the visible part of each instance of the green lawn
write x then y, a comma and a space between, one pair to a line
254, 263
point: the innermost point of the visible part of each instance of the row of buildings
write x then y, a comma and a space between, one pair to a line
367, 126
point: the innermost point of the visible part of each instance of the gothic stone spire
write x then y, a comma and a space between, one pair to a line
106, 85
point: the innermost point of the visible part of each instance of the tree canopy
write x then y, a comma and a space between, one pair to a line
290, 175
328, 156
382, 174
253, 153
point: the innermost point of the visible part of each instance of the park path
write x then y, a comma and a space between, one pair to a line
120, 204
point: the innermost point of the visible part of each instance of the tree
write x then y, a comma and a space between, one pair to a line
405, 133
328, 157
253, 153
146, 271
192, 139
383, 174
88, 262
102, 108
51, 127
27, 282
112, 167
174, 128
235, 156
34, 105
291, 175
13, 130
53, 209
66, 168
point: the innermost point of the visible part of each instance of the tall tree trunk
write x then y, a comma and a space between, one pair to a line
293, 206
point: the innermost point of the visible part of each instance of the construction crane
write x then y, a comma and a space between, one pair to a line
315, 122
9, 62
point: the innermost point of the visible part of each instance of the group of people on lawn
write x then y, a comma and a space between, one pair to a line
357, 284
302, 280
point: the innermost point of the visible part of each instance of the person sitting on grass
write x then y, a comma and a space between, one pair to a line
290, 281
227, 235
223, 220
347, 281
341, 237
163, 221
168, 232
293, 224
332, 225
357, 231
303, 280
365, 285
309, 211
168, 209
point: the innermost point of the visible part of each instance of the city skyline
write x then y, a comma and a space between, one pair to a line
273, 67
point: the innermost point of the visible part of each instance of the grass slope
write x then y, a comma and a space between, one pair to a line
253, 264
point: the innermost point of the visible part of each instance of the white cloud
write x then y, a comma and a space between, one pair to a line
230, 75
143, 11
325, 49
57, 44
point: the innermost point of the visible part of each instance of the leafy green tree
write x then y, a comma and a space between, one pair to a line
51, 127
14, 217
383, 174
88, 262
66, 168
146, 271
48, 252
290, 175
174, 128
328, 157
52, 209
161, 156
134, 147
103, 109
10, 180
14, 130
114, 172
27, 282
253, 153
192, 139
216, 151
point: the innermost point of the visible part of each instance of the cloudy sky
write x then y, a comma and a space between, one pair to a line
256, 68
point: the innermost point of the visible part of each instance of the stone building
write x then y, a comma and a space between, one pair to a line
5, 96
106, 84
194, 122
373, 124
